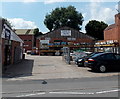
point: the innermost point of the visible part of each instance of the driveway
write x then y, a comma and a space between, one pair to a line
49, 67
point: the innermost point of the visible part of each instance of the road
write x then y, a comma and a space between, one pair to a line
72, 87
50, 76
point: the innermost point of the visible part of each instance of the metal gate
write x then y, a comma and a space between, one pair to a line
66, 54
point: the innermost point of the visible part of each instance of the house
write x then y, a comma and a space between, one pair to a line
27, 35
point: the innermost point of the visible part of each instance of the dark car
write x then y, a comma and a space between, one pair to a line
84, 60
103, 62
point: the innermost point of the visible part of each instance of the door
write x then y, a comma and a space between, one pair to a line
7, 54
109, 60
117, 60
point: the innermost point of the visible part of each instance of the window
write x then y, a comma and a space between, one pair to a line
108, 57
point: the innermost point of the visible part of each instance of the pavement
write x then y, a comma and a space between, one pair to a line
36, 67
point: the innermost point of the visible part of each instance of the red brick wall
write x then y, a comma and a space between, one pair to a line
117, 19
29, 43
111, 34
14, 44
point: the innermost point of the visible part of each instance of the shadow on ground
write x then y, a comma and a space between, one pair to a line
21, 69
110, 71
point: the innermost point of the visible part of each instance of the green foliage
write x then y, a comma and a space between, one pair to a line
7, 22
96, 29
36, 32
64, 17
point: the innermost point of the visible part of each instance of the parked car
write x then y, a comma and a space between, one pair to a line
103, 62
84, 60
77, 55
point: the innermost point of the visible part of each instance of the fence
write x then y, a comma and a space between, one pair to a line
108, 49
66, 55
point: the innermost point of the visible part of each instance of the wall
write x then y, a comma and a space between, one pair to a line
111, 34
114, 32
16, 52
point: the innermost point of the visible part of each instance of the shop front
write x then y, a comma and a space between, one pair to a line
107, 46
12, 47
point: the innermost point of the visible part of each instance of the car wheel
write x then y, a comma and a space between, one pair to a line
102, 68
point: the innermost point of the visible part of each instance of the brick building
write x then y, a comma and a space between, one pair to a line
111, 40
112, 32
12, 46
54, 41
27, 36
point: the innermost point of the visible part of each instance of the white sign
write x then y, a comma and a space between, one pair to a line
44, 44
65, 32
44, 41
13, 35
71, 39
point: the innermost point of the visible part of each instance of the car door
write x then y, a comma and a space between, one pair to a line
117, 56
109, 60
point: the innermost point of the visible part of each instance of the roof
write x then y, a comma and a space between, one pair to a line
110, 27
57, 35
24, 31
13, 36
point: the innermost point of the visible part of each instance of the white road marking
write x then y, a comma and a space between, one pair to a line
74, 93
85, 93
100, 92
71, 93
42, 93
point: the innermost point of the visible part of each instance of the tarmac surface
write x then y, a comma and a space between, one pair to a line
36, 67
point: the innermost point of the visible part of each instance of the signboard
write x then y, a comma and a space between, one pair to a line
7, 34
65, 32
44, 44
71, 39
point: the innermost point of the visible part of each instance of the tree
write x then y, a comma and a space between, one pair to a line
96, 29
64, 17
7, 22
36, 34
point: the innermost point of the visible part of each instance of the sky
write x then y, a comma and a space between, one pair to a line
30, 14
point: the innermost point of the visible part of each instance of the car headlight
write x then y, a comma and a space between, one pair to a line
79, 60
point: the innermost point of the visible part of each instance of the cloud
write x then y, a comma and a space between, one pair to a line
53, 1
26, 1
100, 13
19, 23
